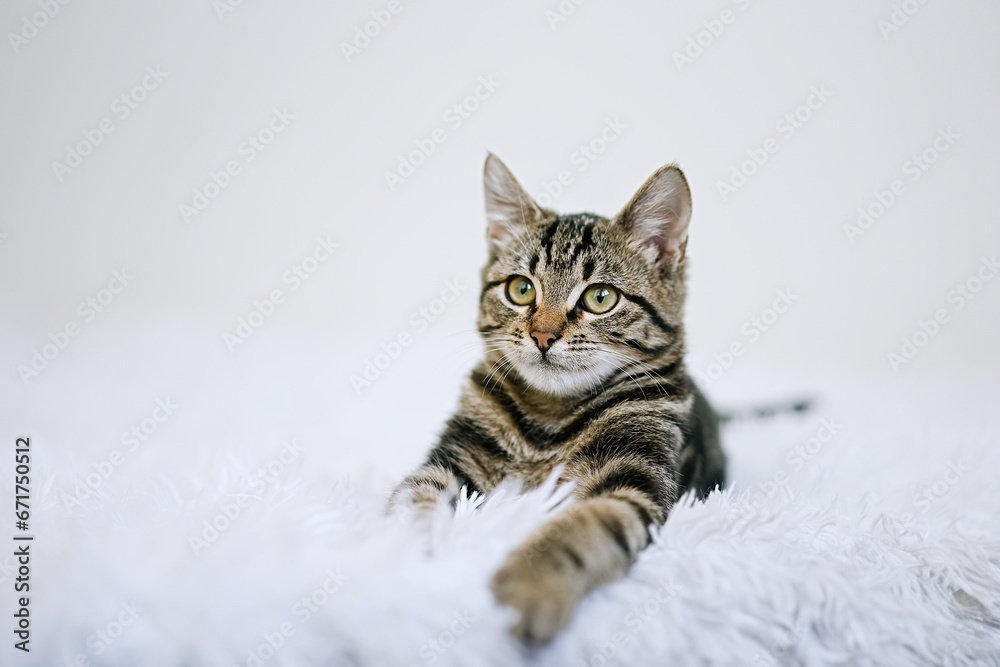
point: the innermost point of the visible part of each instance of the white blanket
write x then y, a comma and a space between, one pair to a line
839, 543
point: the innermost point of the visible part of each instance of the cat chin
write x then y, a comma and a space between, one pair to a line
559, 381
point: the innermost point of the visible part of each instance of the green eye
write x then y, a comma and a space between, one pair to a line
599, 298
520, 290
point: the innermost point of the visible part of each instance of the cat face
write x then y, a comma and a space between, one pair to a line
571, 302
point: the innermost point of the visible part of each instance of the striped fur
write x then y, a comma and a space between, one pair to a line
609, 399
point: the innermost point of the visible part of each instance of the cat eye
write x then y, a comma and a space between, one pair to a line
599, 298
520, 290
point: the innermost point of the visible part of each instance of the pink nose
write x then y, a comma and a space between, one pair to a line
544, 339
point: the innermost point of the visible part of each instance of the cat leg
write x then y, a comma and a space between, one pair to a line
591, 543
707, 445
466, 456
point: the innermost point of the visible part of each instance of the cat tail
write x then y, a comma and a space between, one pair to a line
765, 411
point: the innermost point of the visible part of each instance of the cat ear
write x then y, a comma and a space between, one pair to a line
659, 213
509, 209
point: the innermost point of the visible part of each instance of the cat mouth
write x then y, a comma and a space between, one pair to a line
546, 359
561, 377
559, 371
555, 363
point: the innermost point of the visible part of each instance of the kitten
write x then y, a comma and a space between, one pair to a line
582, 321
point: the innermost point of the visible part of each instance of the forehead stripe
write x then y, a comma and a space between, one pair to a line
585, 242
547, 239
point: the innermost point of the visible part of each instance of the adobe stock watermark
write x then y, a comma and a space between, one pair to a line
302, 612
224, 8
913, 169
637, 617
32, 24
898, 17
247, 151
549, 535
365, 34
698, 43
752, 330
585, 155
941, 486
121, 109
294, 277
104, 637
89, 485
419, 321
927, 329
454, 117
561, 13
795, 460
228, 512
787, 126
432, 649
891, 530
88, 310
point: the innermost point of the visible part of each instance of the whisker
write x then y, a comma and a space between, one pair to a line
503, 362
624, 369
643, 367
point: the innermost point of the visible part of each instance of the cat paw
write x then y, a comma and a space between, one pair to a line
421, 502
541, 591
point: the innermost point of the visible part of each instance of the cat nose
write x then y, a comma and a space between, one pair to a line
544, 339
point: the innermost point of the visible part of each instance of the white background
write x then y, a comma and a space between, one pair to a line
325, 175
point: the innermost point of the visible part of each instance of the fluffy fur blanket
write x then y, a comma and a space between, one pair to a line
839, 543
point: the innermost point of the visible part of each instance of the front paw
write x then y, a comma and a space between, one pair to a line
543, 589
418, 500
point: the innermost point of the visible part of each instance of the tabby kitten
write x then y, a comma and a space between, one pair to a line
582, 321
